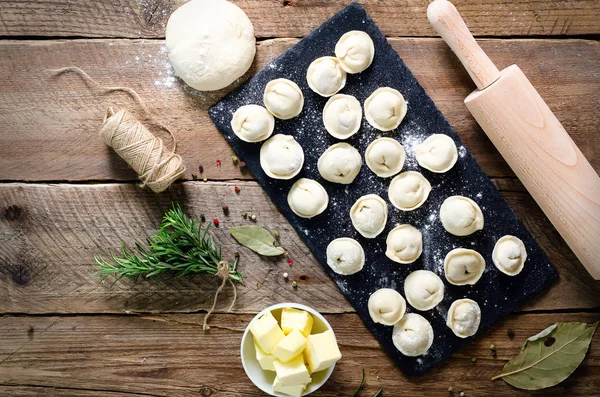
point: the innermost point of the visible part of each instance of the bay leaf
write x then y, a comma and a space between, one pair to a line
549, 357
257, 238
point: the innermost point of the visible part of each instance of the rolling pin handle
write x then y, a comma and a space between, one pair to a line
446, 20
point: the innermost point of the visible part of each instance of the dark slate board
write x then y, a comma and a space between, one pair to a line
496, 293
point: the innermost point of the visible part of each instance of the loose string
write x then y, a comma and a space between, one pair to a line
143, 151
223, 272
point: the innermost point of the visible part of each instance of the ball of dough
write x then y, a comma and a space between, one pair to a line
412, 335
355, 51
210, 43
423, 289
385, 108
369, 215
437, 153
345, 256
461, 216
464, 317
463, 266
325, 76
252, 123
385, 157
342, 116
283, 98
386, 306
281, 157
307, 198
509, 255
409, 190
404, 244
340, 163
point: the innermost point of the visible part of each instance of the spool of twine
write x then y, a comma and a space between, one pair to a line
145, 153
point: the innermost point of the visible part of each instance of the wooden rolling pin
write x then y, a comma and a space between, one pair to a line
530, 138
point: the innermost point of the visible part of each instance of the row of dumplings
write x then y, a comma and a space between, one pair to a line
404, 245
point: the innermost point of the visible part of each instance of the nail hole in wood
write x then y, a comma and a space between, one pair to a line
13, 212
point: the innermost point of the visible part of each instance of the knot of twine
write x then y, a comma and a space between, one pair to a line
156, 167
223, 272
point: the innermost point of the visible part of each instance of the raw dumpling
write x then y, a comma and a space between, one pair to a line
342, 116
325, 76
509, 255
386, 306
404, 244
307, 198
281, 157
385, 157
437, 153
463, 266
283, 98
423, 289
340, 163
345, 256
369, 215
412, 335
385, 108
461, 216
355, 51
409, 190
464, 317
252, 123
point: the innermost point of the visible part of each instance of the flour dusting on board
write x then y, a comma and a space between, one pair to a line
496, 294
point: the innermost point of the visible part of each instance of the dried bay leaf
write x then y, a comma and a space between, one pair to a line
549, 357
257, 238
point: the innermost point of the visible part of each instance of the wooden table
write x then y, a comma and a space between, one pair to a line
65, 197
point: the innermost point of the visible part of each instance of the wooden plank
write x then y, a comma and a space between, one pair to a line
50, 124
295, 18
166, 355
50, 233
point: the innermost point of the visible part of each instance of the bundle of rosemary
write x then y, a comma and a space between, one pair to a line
180, 248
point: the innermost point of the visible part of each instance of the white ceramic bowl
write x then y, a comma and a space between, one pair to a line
264, 379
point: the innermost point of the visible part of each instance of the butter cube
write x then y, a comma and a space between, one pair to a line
292, 319
292, 373
265, 360
290, 346
295, 391
321, 351
266, 332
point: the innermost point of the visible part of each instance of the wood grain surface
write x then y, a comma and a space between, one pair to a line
295, 18
52, 232
166, 355
50, 124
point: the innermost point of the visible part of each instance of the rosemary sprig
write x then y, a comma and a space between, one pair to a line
181, 248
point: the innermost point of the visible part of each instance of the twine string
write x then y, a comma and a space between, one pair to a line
133, 142
223, 272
